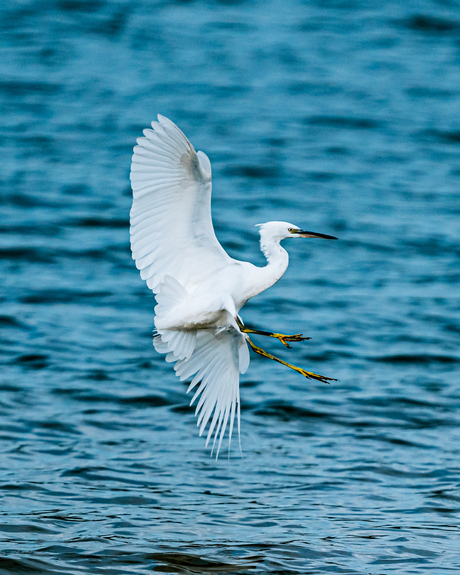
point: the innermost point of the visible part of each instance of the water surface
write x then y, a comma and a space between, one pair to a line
340, 117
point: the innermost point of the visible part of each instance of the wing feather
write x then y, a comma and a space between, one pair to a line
215, 360
171, 227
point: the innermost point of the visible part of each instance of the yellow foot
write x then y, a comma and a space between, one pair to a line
311, 375
284, 339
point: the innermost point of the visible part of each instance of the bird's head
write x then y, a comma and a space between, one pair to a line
277, 231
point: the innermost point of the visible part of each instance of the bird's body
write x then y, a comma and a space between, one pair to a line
209, 302
199, 288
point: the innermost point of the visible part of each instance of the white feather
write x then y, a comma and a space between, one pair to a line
216, 363
169, 178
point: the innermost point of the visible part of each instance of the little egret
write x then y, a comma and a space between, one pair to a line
198, 287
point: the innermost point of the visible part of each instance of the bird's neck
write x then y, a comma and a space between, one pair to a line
277, 263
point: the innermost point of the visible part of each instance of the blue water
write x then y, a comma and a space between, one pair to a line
340, 117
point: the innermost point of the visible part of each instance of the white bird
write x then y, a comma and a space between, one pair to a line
199, 288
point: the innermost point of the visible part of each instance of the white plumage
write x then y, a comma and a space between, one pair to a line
199, 288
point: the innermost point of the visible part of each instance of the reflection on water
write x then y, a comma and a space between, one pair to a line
342, 118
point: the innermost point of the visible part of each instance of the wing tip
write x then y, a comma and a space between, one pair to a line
163, 121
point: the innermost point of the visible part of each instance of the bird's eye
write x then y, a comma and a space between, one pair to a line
292, 230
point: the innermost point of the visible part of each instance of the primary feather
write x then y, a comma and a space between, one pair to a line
171, 226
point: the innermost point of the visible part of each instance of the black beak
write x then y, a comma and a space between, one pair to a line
305, 234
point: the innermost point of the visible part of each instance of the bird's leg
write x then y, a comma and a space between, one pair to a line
308, 374
284, 339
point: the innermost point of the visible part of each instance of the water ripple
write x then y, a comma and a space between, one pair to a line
340, 117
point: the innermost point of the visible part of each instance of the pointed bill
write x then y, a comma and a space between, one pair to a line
305, 234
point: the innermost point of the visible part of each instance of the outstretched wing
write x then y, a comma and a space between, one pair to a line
216, 359
171, 227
